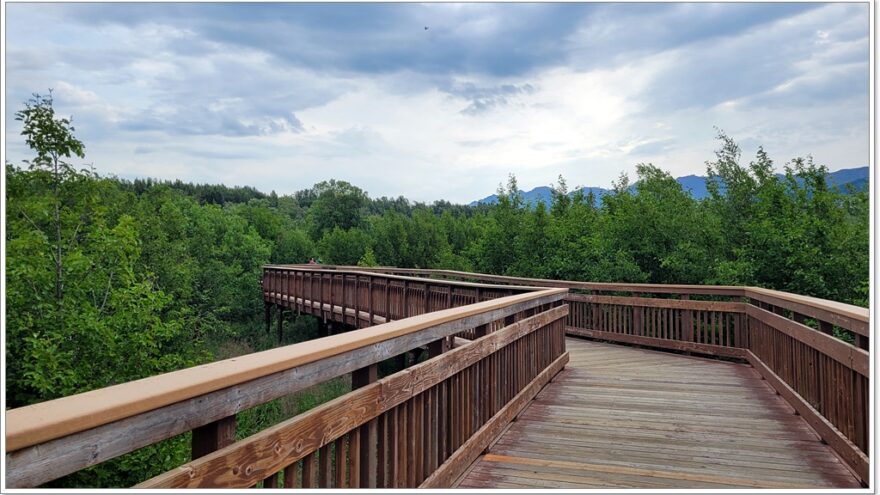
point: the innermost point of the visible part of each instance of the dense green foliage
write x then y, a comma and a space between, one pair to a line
110, 280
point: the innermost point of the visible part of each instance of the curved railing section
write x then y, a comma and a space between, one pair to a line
812, 351
489, 349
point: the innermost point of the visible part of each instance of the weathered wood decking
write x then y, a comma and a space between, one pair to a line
621, 417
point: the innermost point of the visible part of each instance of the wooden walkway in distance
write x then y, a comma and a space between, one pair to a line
621, 417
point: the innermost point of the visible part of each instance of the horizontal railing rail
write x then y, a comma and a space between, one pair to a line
362, 298
827, 314
519, 342
793, 341
422, 426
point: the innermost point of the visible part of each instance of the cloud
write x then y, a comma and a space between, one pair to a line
370, 38
484, 99
279, 96
741, 67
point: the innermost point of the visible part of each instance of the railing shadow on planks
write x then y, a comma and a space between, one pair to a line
795, 342
491, 350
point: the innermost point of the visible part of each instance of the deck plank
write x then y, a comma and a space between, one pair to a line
623, 417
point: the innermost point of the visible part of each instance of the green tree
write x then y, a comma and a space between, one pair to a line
75, 293
661, 227
51, 138
343, 247
335, 204
497, 251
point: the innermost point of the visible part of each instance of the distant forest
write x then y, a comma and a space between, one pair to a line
110, 280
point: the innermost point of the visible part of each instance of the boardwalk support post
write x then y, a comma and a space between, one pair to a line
268, 310
280, 323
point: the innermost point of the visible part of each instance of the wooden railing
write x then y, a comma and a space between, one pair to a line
795, 342
361, 299
418, 427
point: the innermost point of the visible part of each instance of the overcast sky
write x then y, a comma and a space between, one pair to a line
441, 101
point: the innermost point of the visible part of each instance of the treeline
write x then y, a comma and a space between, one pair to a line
109, 280
148, 268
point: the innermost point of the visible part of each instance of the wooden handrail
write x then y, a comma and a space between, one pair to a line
54, 438
846, 316
823, 377
260, 457
540, 282
356, 270
37, 423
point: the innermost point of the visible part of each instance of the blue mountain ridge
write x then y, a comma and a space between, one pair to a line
694, 184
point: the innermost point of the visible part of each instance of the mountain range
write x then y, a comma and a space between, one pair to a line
694, 184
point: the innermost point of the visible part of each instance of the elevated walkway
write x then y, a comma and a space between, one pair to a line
497, 395
621, 417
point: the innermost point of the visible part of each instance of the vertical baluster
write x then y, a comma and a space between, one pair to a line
291, 475
271, 481
405, 312
354, 458
370, 300
325, 467
393, 450
411, 443
403, 452
382, 450
339, 460
367, 457
309, 474
687, 321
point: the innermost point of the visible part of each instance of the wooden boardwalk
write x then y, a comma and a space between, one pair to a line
621, 417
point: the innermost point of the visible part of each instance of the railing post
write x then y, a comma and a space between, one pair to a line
482, 330
639, 318
213, 436
344, 302
301, 291
427, 298
449, 297
687, 321
370, 299
311, 293
369, 438
321, 299
387, 300
405, 300
438, 347
357, 301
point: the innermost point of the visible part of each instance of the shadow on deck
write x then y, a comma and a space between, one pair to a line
621, 417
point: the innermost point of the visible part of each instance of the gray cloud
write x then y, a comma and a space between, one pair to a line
483, 99
707, 74
205, 122
499, 40
333, 88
